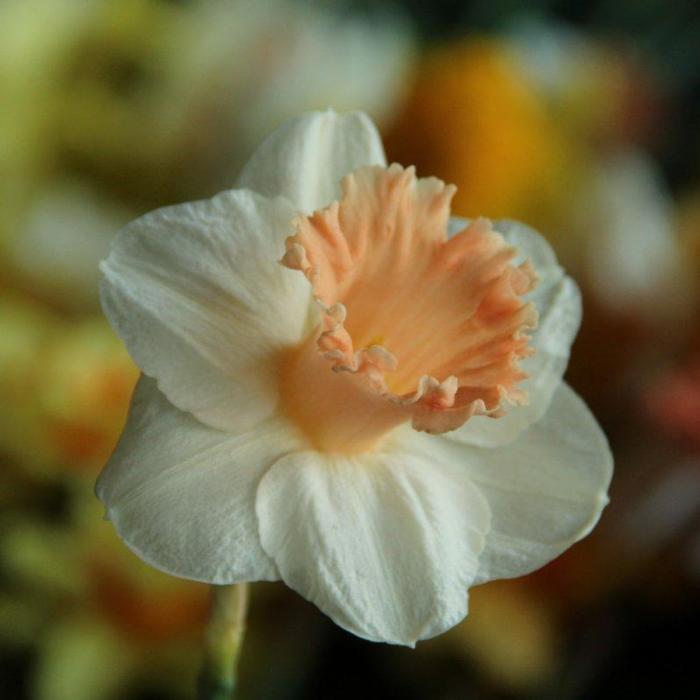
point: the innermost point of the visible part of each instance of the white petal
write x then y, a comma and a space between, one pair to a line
182, 495
305, 159
545, 491
382, 543
198, 296
558, 302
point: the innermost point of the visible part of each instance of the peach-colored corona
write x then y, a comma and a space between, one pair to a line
415, 326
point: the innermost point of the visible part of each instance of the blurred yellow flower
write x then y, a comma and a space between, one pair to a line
84, 387
117, 106
64, 387
169, 97
474, 118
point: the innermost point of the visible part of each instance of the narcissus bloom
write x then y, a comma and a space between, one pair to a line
375, 421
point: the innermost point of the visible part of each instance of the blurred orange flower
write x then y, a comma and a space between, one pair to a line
474, 118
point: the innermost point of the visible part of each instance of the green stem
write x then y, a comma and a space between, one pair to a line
223, 641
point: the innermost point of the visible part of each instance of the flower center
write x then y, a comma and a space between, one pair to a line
413, 326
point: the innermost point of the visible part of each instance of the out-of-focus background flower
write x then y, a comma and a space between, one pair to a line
582, 119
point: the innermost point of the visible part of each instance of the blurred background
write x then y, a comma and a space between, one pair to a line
582, 119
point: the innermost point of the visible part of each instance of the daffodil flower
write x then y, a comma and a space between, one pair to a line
375, 421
